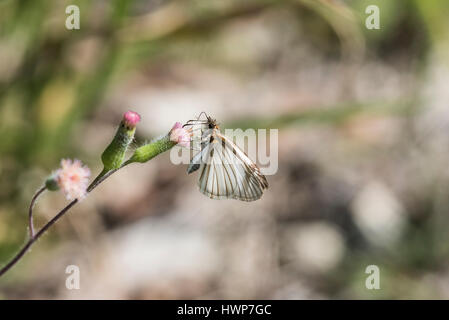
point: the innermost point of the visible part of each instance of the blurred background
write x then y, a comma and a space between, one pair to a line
363, 123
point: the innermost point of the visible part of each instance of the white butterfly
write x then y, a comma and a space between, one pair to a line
226, 172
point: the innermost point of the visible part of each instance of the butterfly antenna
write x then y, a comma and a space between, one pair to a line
202, 112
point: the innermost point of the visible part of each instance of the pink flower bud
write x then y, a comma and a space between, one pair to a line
73, 179
130, 119
180, 135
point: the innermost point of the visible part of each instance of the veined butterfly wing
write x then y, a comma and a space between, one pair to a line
226, 172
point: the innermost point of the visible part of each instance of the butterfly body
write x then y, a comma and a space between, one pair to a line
225, 171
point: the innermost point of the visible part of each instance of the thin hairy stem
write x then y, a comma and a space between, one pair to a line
30, 211
33, 237
149, 152
97, 180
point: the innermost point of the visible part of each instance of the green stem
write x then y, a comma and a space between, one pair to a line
30, 210
97, 179
149, 151
142, 154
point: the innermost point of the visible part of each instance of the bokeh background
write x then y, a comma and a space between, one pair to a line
363, 119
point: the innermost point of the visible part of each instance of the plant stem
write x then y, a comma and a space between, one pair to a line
30, 211
142, 154
33, 237
97, 179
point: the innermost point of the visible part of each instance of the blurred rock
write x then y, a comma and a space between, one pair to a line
314, 247
135, 260
378, 213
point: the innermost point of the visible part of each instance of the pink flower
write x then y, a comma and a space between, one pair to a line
73, 179
131, 119
180, 135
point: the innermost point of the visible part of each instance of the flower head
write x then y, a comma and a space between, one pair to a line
131, 119
180, 135
114, 154
73, 179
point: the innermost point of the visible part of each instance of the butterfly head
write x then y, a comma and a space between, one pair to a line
212, 123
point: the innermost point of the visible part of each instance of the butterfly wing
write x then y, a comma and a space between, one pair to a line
200, 136
195, 163
226, 172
